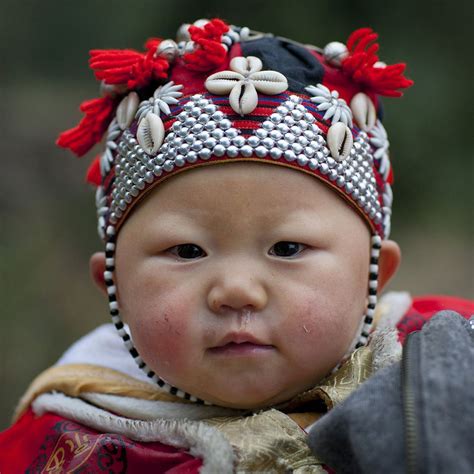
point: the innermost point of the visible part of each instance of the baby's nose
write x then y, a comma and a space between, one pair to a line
237, 293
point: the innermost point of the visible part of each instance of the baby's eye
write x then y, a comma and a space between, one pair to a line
187, 251
286, 249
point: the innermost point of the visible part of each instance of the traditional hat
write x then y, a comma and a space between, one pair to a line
222, 93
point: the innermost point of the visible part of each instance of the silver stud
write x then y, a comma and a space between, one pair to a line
283, 144
183, 131
268, 142
179, 161
191, 157
261, 151
168, 165
268, 125
275, 118
219, 150
275, 134
209, 109
210, 142
232, 151
225, 124
281, 109
302, 160
309, 151
324, 168
187, 107
203, 119
203, 136
290, 155
197, 145
296, 114
261, 133
231, 132
303, 140
313, 164
225, 142
198, 128
189, 122
246, 151
253, 141
218, 116
289, 137
195, 112
276, 153
210, 126
238, 141
217, 133
289, 121
283, 128
205, 154
182, 116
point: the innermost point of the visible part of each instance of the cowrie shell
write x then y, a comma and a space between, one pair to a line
246, 65
269, 82
150, 133
127, 109
339, 139
243, 98
363, 111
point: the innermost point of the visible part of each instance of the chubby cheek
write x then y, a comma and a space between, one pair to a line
163, 333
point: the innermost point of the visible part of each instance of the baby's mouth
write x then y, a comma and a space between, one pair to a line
236, 344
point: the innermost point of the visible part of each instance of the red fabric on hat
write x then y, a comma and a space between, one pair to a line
93, 175
423, 308
42, 443
91, 128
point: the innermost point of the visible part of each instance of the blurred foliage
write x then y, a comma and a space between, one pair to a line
47, 216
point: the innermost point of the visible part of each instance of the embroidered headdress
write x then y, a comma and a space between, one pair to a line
222, 93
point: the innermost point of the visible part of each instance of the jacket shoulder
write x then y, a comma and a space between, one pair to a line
51, 443
423, 308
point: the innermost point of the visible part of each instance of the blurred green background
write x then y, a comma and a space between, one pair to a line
47, 226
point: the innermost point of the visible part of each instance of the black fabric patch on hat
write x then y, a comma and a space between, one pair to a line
296, 63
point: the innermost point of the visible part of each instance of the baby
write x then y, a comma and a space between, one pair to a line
238, 290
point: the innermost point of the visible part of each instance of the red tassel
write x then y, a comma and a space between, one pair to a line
98, 115
210, 53
359, 65
93, 175
127, 66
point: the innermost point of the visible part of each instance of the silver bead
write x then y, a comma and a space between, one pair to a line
203, 136
210, 142
332, 175
238, 141
253, 141
197, 145
246, 150
283, 144
340, 181
331, 162
149, 178
232, 151
276, 118
191, 157
198, 128
283, 128
217, 133
182, 116
179, 161
205, 154
225, 124
189, 122
296, 130
296, 114
268, 142
267, 125
349, 187
290, 155
302, 160
261, 133
297, 148
195, 112
281, 109
167, 49
324, 168
183, 131
203, 119
276, 153
210, 126
202, 102
335, 52
303, 141
261, 151
289, 137
225, 142
188, 106
217, 116
168, 165
313, 164
289, 120
177, 141
295, 99
231, 133
275, 134
210, 109
219, 150
309, 151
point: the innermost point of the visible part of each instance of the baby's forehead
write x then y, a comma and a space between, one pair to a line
247, 192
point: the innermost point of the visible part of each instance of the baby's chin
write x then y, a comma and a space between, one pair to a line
253, 399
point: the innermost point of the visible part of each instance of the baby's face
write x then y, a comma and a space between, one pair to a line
243, 284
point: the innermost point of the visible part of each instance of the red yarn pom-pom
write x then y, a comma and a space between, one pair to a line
93, 175
98, 115
361, 66
210, 52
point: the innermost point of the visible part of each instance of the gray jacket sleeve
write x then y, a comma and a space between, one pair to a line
416, 416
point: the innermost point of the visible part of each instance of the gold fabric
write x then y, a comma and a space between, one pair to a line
272, 440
